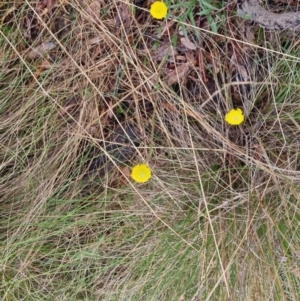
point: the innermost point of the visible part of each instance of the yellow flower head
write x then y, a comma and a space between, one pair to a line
234, 117
158, 10
141, 173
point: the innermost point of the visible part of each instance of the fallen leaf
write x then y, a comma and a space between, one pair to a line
180, 31
188, 44
93, 10
180, 58
176, 75
46, 64
190, 57
95, 40
126, 171
165, 50
40, 50
249, 35
123, 16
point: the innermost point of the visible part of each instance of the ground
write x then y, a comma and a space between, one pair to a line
90, 89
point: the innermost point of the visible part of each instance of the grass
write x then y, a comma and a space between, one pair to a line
219, 219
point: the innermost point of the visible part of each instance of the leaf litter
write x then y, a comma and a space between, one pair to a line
181, 60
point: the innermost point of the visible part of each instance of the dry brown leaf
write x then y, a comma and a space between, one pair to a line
95, 40
165, 50
180, 31
124, 17
93, 10
126, 171
176, 75
46, 64
190, 57
40, 50
249, 35
188, 44
180, 58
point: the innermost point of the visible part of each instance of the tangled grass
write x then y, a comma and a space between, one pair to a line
219, 219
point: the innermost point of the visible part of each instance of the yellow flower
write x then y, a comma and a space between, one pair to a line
158, 10
234, 117
141, 173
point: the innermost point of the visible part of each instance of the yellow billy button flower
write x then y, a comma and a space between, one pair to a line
234, 117
158, 10
141, 173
